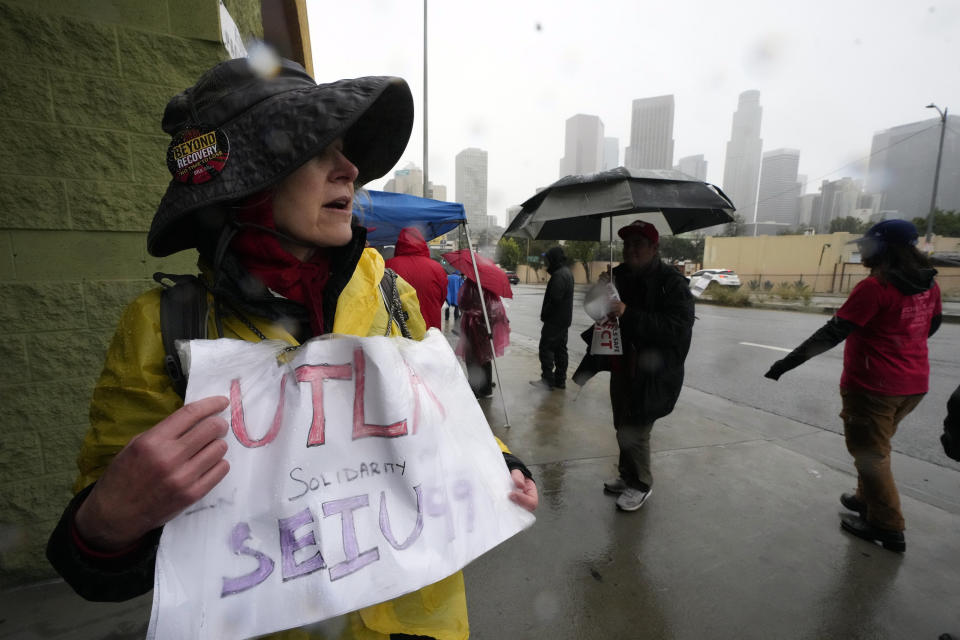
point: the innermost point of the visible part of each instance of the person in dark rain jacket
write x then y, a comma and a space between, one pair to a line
656, 320
885, 321
951, 427
556, 315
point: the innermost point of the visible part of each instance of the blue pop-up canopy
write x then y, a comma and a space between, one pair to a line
387, 213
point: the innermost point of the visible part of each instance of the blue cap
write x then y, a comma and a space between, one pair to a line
883, 234
901, 232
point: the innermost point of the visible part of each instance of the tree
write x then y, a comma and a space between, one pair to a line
509, 253
849, 223
734, 228
605, 253
483, 238
945, 223
536, 250
582, 251
676, 248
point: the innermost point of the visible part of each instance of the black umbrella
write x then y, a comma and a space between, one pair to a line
573, 207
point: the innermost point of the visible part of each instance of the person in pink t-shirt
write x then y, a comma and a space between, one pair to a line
886, 321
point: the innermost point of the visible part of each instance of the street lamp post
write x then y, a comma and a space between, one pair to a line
936, 171
426, 179
819, 262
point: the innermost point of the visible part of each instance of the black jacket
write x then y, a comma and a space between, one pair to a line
951, 427
557, 306
656, 328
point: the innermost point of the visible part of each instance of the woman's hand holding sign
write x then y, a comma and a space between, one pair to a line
525, 494
155, 476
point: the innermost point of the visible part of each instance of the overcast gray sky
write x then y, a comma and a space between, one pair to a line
504, 75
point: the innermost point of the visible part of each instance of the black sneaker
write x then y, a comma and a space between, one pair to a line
890, 540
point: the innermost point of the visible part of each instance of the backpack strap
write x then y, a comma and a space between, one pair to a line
391, 300
183, 316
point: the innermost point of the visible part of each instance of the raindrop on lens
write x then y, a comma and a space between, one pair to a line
263, 60
277, 141
545, 606
650, 360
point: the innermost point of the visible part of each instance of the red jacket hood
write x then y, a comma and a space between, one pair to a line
411, 243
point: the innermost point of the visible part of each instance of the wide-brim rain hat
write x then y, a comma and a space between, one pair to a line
237, 132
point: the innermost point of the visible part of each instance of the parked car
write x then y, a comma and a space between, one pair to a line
724, 277
513, 277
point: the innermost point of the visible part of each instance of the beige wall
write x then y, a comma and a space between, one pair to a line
791, 258
529, 275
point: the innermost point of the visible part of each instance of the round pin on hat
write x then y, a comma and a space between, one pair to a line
197, 155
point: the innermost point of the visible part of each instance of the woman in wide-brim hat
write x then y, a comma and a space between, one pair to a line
264, 170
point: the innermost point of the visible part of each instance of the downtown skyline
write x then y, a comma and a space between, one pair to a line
508, 83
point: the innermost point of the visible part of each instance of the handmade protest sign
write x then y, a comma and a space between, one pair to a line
361, 469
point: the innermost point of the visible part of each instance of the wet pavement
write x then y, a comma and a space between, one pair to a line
740, 538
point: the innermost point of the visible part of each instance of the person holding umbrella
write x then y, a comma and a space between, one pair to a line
655, 311
885, 321
484, 327
474, 344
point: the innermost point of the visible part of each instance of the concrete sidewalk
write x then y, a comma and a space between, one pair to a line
740, 538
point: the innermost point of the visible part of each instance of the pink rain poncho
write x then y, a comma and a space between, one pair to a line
474, 344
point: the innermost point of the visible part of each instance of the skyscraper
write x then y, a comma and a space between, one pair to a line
583, 146
409, 180
471, 179
694, 166
741, 169
779, 187
837, 199
651, 134
611, 153
902, 162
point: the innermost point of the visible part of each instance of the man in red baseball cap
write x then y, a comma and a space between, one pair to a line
655, 311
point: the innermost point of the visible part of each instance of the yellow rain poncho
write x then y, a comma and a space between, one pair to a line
134, 393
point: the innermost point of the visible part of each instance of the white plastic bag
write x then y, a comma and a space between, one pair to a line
598, 301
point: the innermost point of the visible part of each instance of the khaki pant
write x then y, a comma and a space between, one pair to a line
634, 463
869, 423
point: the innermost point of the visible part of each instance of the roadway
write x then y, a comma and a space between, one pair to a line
733, 347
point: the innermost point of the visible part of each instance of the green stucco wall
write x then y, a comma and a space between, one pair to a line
83, 85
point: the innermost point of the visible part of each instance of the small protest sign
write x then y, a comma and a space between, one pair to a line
699, 284
606, 338
360, 469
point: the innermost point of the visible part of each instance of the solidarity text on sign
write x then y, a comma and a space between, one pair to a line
360, 469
